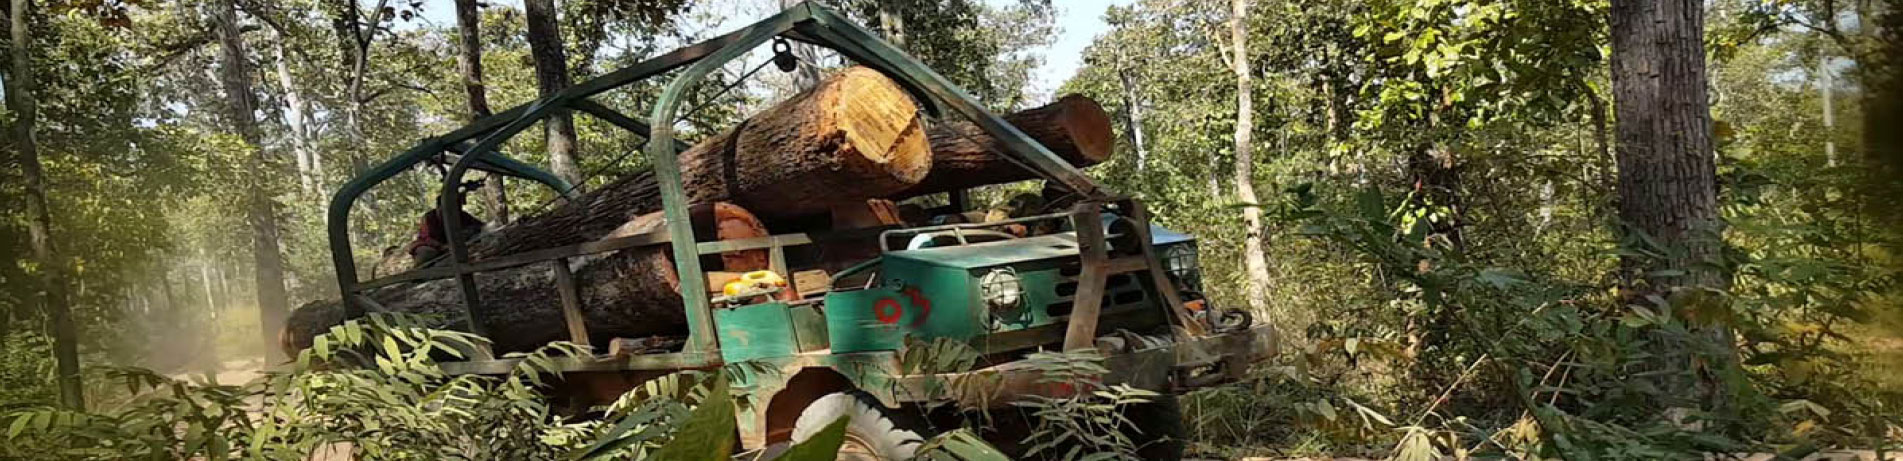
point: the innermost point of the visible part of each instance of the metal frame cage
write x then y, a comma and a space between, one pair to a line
476, 147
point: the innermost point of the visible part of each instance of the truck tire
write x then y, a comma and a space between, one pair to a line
1160, 432
873, 434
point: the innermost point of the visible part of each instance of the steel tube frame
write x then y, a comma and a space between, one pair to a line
805, 22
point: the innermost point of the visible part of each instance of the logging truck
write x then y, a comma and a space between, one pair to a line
826, 242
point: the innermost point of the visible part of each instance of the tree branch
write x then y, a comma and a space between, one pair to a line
172, 51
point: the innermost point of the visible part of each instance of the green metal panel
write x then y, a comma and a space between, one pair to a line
991, 254
809, 329
756, 331
941, 302
853, 325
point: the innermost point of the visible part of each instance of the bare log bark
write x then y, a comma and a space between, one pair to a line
1075, 128
626, 293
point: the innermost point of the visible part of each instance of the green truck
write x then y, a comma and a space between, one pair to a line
1101, 278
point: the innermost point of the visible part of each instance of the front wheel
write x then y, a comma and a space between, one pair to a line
873, 434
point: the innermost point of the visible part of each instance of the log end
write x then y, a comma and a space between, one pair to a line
880, 122
1089, 128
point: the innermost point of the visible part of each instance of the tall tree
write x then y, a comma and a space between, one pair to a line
1254, 262
1667, 175
52, 280
1668, 188
1132, 109
469, 62
297, 120
551, 76
241, 104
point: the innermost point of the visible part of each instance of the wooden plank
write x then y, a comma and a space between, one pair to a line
1172, 300
1127, 264
1092, 250
571, 302
723, 246
812, 282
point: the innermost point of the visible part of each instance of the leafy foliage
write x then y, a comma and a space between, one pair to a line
1088, 424
375, 385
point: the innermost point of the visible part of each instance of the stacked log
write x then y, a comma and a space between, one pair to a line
1075, 128
855, 136
627, 293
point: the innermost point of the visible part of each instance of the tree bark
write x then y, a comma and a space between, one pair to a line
551, 76
297, 111
241, 105
1254, 261
469, 62
628, 293
52, 280
1075, 128
1133, 117
1667, 176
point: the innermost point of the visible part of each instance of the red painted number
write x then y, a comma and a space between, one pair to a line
887, 310
919, 301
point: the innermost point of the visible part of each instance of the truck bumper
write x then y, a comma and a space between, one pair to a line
1177, 366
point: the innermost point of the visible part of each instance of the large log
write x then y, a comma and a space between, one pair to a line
856, 135
1075, 128
962, 155
627, 293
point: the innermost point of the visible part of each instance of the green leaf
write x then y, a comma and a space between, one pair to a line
824, 446
707, 435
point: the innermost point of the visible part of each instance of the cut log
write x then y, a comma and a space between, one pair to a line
1075, 128
626, 293
855, 136
963, 156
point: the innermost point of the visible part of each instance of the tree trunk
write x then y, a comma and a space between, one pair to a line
1253, 259
469, 61
297, 111
241, 105
1133, 117
892, 21
1075, 128
628, 293
39, 226
1667, 177
551, 76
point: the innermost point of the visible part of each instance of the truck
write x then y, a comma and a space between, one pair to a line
1100, 278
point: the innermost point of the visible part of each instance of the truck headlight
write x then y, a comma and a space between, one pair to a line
1180, 260
1001, 290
